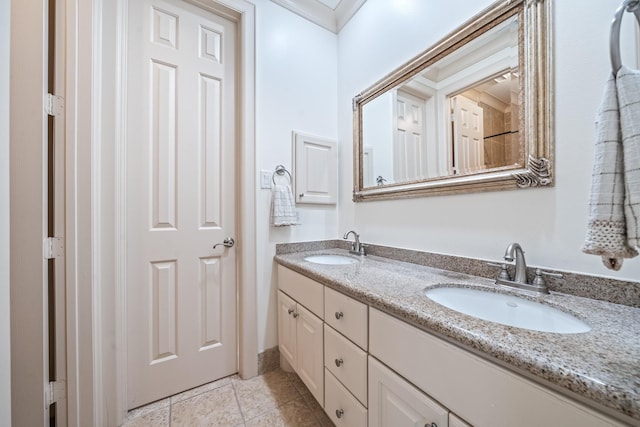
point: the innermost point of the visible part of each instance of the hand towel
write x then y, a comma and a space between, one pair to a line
628, 85
607, 223
283, 206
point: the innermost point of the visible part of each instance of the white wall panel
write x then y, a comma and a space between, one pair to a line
296, 81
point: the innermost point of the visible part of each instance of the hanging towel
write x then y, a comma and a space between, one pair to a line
614, 209
628, 84
283, 207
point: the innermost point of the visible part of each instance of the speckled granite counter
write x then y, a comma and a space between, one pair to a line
601, 367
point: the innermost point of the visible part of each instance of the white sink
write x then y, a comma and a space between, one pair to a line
508, 310
331, 259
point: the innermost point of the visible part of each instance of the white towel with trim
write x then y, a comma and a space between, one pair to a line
614, 202
283, 206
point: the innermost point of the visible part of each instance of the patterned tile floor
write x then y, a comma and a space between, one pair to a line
275, 399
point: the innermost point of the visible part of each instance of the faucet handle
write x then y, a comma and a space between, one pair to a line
539, 280
504, 272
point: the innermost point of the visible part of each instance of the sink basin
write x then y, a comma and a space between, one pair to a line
507, 310
331, 259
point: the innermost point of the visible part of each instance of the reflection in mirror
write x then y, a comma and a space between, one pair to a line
457, 116
472, 113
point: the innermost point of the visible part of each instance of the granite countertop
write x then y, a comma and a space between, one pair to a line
602, 365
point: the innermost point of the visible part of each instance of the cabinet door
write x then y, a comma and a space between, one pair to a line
310, 363
393, 402
287, 328
454, 421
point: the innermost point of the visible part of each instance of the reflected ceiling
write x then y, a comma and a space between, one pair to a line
329, 14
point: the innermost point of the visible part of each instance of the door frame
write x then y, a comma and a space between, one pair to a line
106, 111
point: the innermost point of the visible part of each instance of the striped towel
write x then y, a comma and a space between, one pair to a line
613, 229
283, 206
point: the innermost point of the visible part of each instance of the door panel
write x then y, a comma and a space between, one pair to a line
393, 402
410, 161
468, 134
180, 199
310, 354
287, 328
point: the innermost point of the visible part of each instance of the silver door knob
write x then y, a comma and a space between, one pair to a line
339, 362
339, 315
339, 413
227, 243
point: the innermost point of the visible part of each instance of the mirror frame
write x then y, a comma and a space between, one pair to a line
536, 119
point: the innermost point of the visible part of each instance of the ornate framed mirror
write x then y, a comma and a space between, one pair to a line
471, 113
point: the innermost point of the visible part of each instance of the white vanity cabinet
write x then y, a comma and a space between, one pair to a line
300, 330
480, 392
366, 367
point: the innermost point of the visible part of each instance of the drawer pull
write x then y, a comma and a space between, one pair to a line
339, 362
339, 413
290, 311
295, 315
431, 425
339, 315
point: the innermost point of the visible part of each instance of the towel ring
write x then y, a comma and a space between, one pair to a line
632, 6
281, 170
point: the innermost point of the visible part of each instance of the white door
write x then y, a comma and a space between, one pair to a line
468, 135
181, 293
409, 149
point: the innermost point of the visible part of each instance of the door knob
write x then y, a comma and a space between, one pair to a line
227, 243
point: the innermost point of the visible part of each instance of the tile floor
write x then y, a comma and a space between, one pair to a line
275, 399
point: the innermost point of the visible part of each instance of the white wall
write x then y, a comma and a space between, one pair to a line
549, 222
296, 88
5, 339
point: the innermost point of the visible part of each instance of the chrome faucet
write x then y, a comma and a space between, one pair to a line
521, 264
356, 247
514, 251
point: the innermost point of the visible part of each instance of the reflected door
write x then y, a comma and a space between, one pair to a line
409, 149
468, 135
181, 293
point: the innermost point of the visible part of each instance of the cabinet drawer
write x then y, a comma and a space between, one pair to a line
347, 316
340, 405
302, 289
347, 362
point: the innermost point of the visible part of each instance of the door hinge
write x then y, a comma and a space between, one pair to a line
53, 247
53, 104
55, 391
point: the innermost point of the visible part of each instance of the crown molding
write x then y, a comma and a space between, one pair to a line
321, 14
